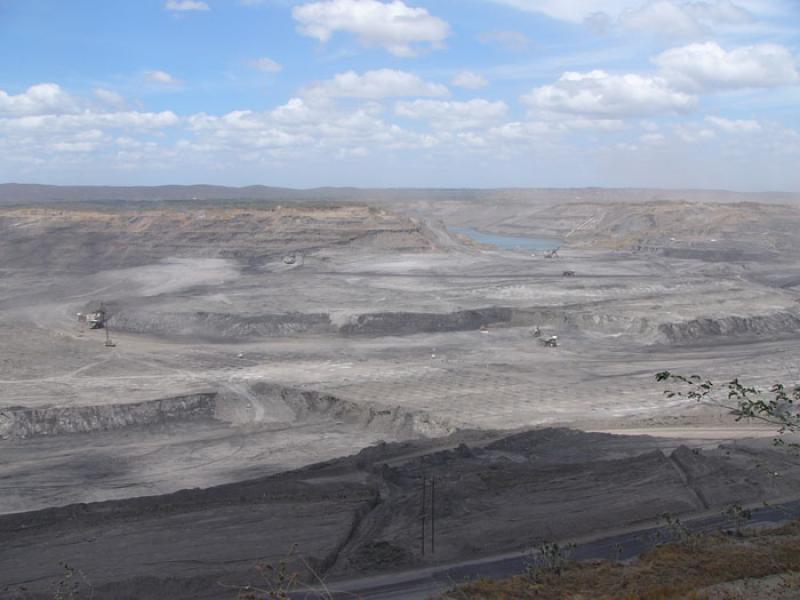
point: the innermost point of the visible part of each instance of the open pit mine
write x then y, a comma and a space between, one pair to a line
191, 389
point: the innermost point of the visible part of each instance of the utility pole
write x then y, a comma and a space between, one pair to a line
433, 516
424, 515
109, 343
422, 536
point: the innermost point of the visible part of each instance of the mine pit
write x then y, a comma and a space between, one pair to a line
295, 373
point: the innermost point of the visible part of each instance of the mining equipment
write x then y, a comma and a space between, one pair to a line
97, 319
552, 253
551, 342
568, 274
295, 258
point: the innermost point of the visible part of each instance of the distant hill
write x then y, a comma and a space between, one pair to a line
87, 237
13, 193
16, 193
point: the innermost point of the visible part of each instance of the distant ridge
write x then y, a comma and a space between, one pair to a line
32, 192
24, 193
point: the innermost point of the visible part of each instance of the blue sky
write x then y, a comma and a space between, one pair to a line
439, 93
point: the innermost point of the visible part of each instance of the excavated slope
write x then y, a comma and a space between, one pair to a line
223, 327
703, 230
94, 238
256, 403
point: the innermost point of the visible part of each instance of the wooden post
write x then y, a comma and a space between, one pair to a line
433, 516
422, 536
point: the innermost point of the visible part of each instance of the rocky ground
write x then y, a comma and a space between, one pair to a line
361, 515
751, 565
252, 340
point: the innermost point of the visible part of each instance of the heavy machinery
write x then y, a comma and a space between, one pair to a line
552, 253
551, 342
568, 274
295, 258
96, 319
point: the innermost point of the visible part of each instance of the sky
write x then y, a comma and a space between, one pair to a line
402, 93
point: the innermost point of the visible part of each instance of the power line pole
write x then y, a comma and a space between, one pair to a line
422, 536
433, 516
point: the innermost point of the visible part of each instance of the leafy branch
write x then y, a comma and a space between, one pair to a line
779, 405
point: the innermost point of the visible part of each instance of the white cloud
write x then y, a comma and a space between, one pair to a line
43, 98
683, 19
161, 78
578, 11
536, 131
302, 129
454, 115
735, 126
394, 26
600, 94
294, 111
265, 64
653, 139
575, 11
84, 141
63, 140
580, 124
356, 152
469, 80
132, 120
109, 98
302, 135
186, 5
508, 39
382, 83
297, 123
524, 133
721, 11
707, 66
692, 133
665, 18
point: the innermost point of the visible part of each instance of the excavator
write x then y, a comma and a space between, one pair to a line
550, 342
97, 319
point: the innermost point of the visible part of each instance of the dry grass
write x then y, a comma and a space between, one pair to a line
669, 572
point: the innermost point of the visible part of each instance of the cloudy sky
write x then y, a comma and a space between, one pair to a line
426, 93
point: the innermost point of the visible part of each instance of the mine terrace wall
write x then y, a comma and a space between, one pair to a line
300, 405
29, 422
